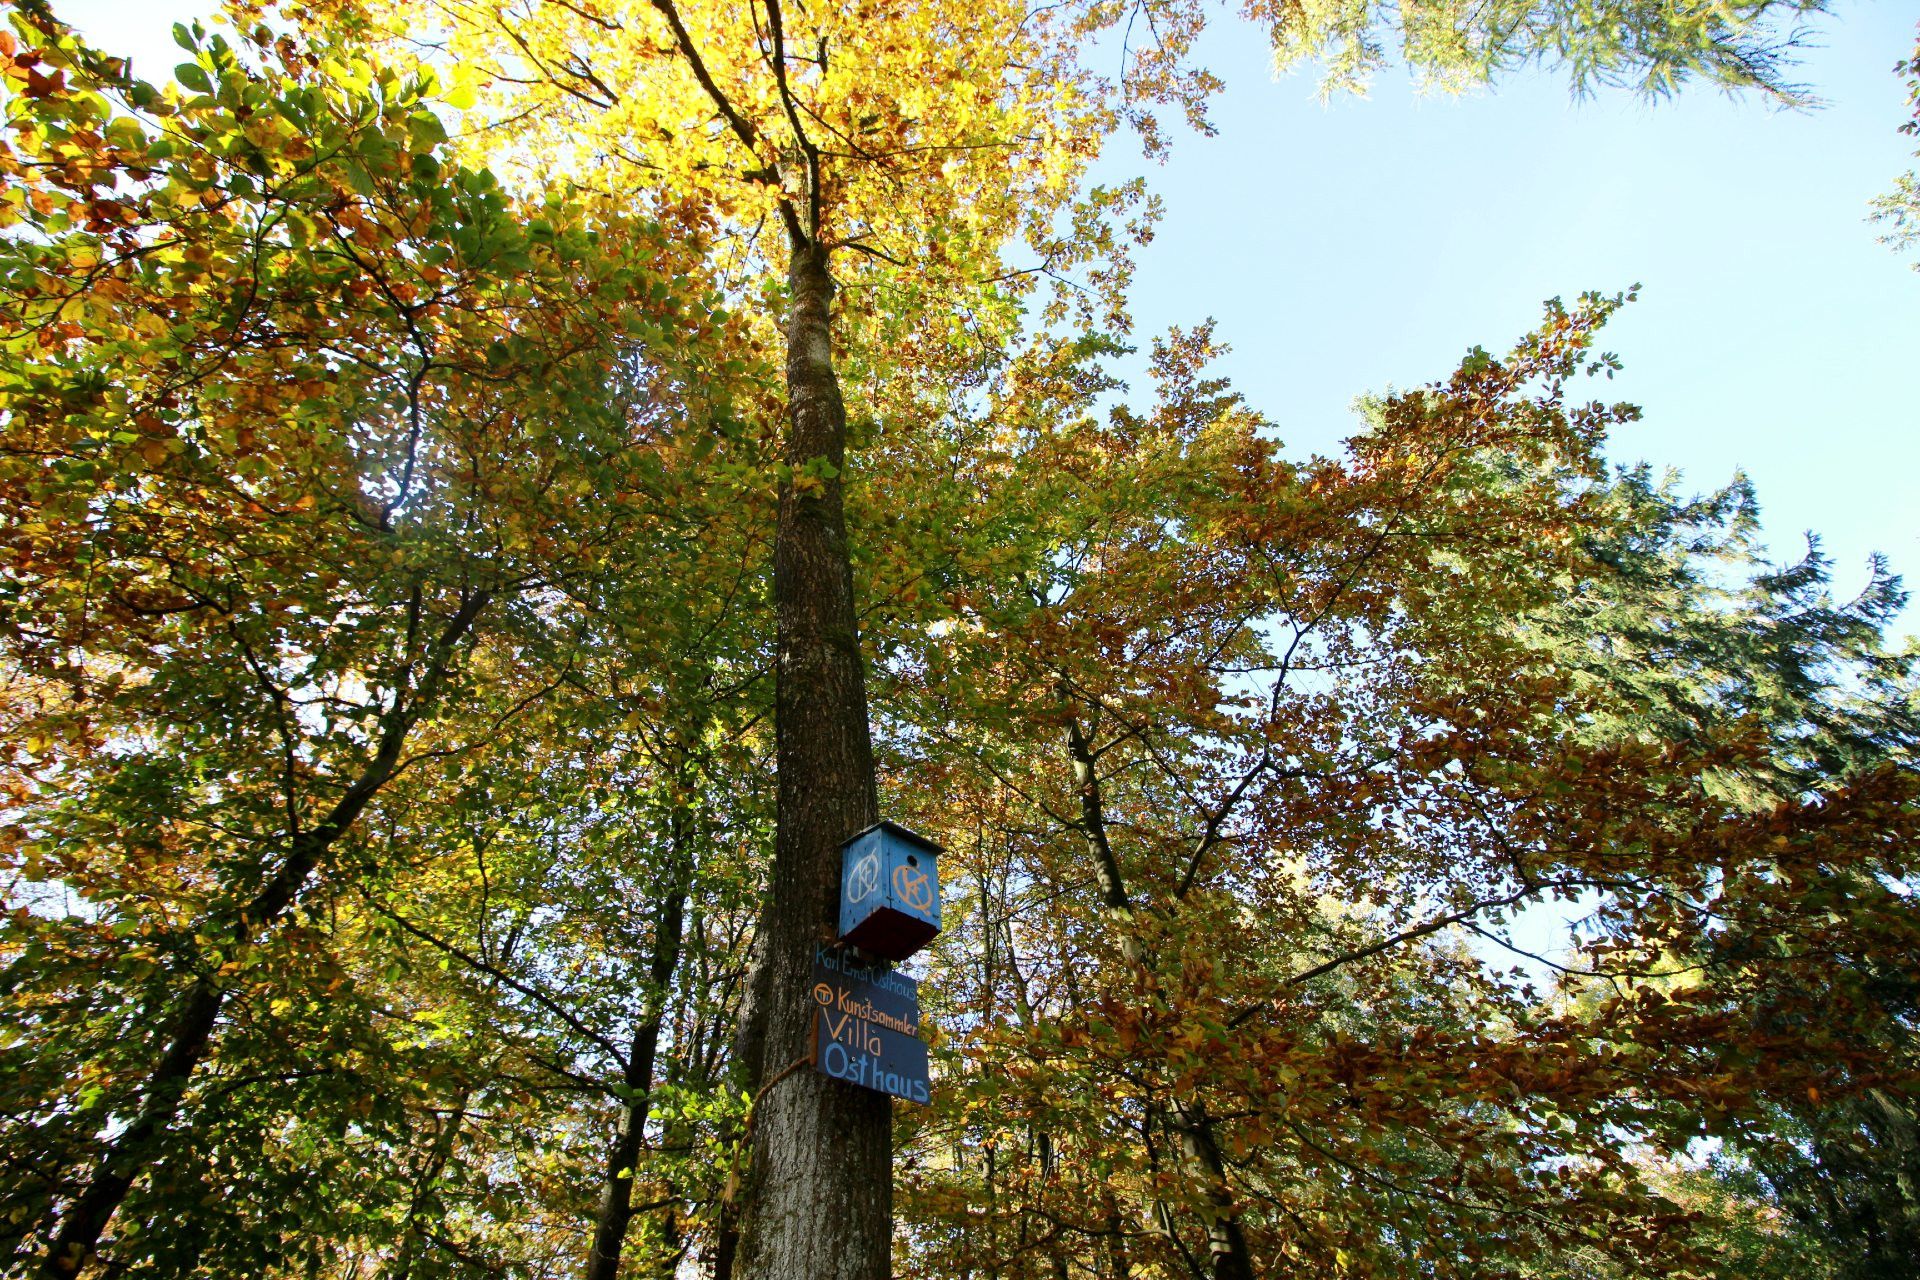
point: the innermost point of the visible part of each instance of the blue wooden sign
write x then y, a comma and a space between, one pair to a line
872, 993
867, 1054
889, 891
866, 1023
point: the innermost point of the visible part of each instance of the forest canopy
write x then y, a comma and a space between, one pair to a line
493, 495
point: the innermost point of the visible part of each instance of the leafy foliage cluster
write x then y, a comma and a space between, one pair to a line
387, 672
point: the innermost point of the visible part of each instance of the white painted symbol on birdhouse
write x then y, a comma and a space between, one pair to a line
865, 878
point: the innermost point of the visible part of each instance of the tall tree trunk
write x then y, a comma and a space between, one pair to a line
425, 1207
129, 1153
1093, 828
1226, 1240
616, 1198
1119, 1266
134, 1147
818, 1204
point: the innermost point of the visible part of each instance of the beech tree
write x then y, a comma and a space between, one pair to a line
1284, 779
401, 557
910, 152
299, 417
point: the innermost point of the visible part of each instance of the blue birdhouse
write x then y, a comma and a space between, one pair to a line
889, 891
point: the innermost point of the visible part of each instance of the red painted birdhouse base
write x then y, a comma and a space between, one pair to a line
890, 934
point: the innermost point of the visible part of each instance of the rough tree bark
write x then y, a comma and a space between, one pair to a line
818, 1201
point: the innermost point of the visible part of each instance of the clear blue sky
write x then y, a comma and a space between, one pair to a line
1348, 246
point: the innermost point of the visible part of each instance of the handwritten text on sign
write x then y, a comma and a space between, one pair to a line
866, 1021
872, 994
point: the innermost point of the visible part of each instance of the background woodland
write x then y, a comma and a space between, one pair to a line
387, 681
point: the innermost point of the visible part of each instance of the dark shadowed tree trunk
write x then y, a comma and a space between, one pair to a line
616, 1197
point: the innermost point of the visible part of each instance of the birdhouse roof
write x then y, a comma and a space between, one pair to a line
894, 828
